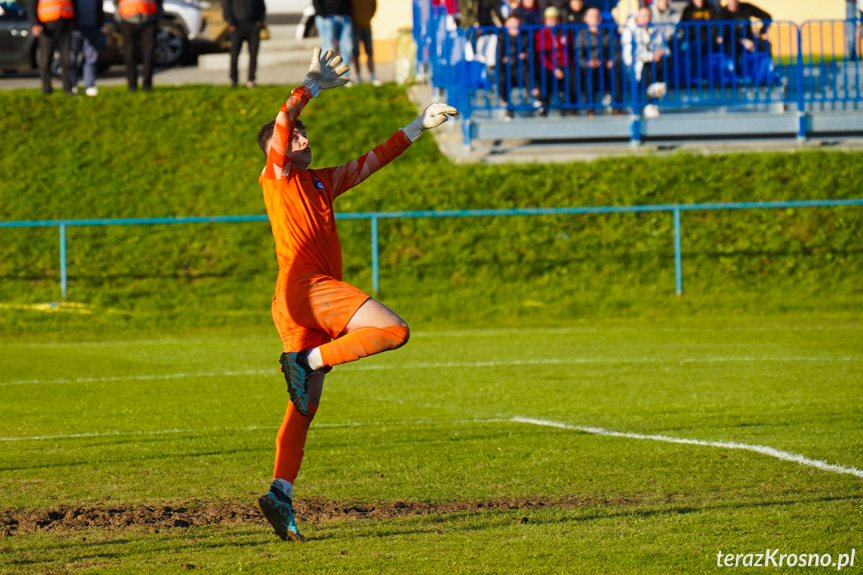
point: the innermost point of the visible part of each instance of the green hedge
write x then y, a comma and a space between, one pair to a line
192, 151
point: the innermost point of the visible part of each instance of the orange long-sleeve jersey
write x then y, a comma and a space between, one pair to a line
300, 202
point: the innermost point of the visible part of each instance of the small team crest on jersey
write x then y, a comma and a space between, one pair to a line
319, 185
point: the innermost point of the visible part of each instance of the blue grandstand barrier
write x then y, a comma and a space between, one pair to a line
374, 217
770, 66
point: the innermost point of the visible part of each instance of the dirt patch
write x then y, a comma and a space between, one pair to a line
203, 513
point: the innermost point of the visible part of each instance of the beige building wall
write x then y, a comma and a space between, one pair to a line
390, 17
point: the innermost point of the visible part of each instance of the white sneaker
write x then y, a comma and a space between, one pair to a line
651, 111
376, 82
92, 91
657, 90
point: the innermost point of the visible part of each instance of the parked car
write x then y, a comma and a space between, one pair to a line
181, 22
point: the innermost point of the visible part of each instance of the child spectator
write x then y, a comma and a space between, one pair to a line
512, 55
551, 53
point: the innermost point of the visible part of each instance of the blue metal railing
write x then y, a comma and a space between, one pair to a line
374, 217
751, 65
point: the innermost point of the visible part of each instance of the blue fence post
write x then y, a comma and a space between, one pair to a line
801, 89
678, 258
375, 276
63, 283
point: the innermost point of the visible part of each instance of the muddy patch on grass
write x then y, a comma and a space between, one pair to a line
190, 513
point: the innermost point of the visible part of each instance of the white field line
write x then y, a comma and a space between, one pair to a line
435, 365
238, 429
762, 449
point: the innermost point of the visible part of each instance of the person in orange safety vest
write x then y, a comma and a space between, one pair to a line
139, 22
52, 22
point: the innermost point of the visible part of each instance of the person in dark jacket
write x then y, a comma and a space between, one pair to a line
245, 19
740, 35
513, 70
528, 13
701, 36
138, 21
599, 58
574, 11
52, 22
333, 21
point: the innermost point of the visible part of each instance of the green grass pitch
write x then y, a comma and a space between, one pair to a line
190, 422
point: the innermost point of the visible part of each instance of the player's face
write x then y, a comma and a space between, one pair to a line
301, 152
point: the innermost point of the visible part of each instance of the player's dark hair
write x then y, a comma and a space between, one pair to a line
266, 132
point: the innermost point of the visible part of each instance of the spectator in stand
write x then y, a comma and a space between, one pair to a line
361, 20
599, 60
245, 19
86, 39
574, 12
138, 21
333, 21
512, 56
527, 12
700, 38
559, 4
480, 13
644, 48
551, 53
52, 22
852, 15
739, 38
666, 16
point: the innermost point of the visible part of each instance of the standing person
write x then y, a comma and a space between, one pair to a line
361, 19
86, 40
139, 22
644, 49
528, 12
52, 21
333, 21
245, 19
738, 39
322, 321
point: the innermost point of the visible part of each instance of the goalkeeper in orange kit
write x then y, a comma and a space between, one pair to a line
321, 320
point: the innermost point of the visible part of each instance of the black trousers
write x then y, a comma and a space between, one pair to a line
143, 37
56, 35
248, 32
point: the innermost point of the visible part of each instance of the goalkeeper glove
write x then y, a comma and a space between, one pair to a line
324, 73
432, 117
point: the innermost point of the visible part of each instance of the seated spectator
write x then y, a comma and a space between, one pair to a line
527, 12
551, 53
574, 12
739, 38
644, 49
599, 60
663, 14
512, 56
700, 37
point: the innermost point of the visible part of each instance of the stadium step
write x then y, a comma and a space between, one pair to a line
280, 49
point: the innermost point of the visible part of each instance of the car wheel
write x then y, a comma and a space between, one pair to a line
171, 45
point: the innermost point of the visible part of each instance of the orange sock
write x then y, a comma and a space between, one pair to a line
363, 343
291, 441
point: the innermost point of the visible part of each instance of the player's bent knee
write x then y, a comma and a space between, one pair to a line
401, 334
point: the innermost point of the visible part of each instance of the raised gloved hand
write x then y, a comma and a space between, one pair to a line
431, 117
325, 72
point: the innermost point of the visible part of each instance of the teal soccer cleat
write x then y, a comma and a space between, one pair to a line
277, 509
297, 377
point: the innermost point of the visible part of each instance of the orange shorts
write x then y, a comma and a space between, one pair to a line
313, 310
